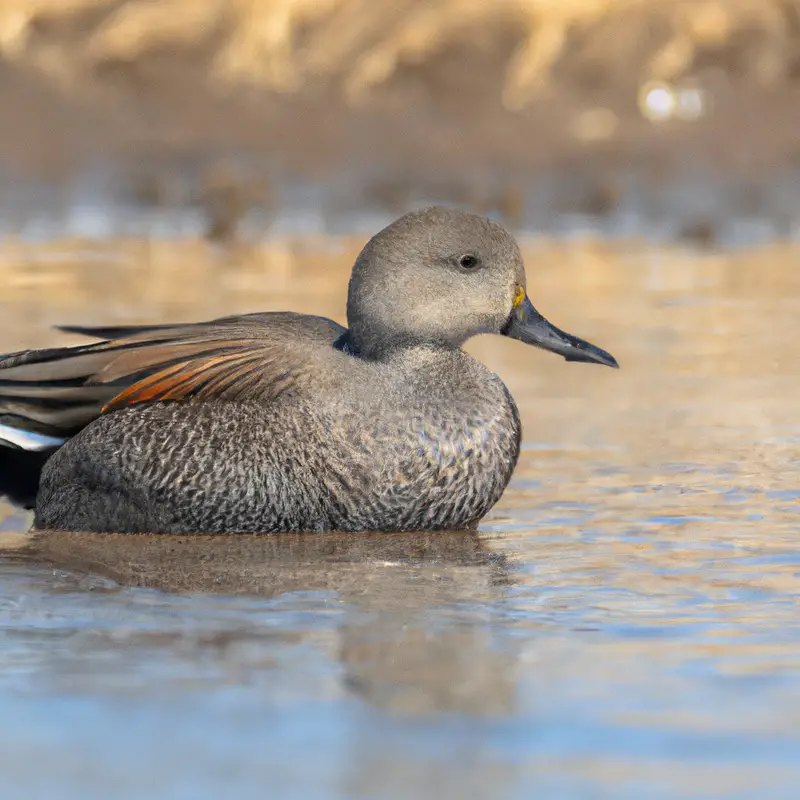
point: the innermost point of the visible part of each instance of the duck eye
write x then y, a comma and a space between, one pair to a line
468, 261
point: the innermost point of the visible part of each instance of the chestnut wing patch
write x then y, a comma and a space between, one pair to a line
228, 376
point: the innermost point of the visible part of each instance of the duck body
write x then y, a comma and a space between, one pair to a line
426, 440
281, 421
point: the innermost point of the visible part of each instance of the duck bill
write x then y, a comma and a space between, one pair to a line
529, 326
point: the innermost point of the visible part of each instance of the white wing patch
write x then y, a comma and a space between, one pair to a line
27, 440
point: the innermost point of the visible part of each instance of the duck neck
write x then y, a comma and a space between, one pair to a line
388, 349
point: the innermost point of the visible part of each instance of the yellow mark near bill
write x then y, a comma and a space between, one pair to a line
518, 297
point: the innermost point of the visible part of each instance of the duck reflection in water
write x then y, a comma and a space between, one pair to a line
412, 611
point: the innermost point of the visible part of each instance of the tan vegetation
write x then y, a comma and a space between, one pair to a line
362, 45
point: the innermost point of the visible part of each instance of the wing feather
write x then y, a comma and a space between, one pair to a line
56, 392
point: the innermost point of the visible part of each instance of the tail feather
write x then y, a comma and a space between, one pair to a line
66, 418
112, 332
20, 471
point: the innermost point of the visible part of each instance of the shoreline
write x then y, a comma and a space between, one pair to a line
105, 97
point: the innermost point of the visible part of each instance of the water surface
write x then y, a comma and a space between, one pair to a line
624, 623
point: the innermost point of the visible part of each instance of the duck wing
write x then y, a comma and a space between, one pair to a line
46, 396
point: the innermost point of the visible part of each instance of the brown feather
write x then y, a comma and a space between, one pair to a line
256, 356
133, 362
176, 382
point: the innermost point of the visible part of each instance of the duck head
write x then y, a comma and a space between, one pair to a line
440, 276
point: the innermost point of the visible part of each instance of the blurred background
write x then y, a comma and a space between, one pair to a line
670, 119
625, 622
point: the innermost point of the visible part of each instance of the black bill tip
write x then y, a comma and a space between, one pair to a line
527, 325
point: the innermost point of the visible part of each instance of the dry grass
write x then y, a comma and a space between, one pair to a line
361, 45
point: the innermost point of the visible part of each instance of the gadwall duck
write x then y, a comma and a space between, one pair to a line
287, 422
